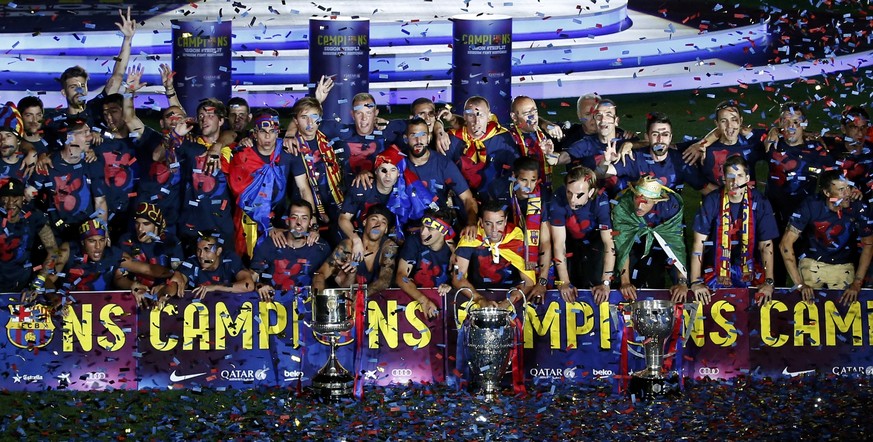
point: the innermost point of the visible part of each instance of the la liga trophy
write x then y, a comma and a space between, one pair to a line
332, 315
653, 319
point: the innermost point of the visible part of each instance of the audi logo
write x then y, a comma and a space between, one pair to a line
401, 372
706, 371
96, 376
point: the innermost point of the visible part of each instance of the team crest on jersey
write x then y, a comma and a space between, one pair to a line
30, 327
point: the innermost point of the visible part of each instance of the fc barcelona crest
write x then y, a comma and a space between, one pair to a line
30, 327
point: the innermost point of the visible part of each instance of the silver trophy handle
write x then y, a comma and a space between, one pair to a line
523, 297
457, 322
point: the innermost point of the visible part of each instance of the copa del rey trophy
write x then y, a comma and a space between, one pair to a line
332, 315
653, 319
488, 337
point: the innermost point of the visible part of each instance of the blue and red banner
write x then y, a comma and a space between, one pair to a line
236, 341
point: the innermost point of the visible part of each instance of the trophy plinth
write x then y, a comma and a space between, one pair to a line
333, 382
332, 315
653, 319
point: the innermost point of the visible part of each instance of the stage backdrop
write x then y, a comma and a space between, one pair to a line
236, 341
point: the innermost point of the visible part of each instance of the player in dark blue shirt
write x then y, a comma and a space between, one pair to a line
832, 226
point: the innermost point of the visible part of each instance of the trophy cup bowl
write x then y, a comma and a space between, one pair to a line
333, 314
488, 339
653, 319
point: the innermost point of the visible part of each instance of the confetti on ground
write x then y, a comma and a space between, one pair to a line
741, 409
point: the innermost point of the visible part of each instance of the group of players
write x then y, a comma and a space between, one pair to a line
93, 199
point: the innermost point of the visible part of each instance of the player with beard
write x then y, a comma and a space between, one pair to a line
149, 243
292, 265
120, 166
16, 161
91, 264
660, 159
851, 150
424, 261
22, 225
738, 221
440, 175
380, 257
582, 243
211, 269
319, 170
207, 203
494, 259
359, 199
832, 224
74, 87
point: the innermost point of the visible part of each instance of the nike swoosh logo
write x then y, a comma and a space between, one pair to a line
176, 378
190, 78
795, 373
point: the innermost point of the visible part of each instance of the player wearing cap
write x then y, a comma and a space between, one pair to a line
650, 239
22, 225
150, 243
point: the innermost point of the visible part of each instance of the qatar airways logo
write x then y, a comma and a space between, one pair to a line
245, 375
553, 373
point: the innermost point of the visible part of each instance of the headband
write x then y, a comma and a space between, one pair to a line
440, 225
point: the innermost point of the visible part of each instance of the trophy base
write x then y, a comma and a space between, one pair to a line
333, 382
648, 387
490, 392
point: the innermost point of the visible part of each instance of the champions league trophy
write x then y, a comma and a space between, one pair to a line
332, 315
488, 338
654, 320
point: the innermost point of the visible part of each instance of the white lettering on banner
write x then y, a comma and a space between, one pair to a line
602, 373
17, 379
293, 375
708, 371
245, 375
853, 370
